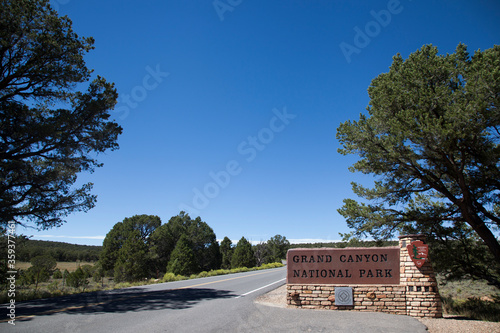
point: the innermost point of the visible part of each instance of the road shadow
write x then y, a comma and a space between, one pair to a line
118, 301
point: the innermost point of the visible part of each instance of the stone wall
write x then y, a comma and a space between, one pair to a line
422, 294
416, 295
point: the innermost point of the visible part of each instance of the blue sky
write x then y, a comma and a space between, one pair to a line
229, 108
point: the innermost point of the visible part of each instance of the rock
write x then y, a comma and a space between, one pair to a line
487, 299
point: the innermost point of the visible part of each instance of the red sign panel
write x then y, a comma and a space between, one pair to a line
375, 265
418, 252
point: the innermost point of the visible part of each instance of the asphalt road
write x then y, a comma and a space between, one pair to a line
216, 304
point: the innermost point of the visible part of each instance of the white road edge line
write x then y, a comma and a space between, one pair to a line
270, 284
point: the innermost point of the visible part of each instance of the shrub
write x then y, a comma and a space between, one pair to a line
212, 273
57, 274
121, 285
474, 308
25, 278
203, 274
272, 265
53, 286
171, 277
240, 269
88, 270
78, 279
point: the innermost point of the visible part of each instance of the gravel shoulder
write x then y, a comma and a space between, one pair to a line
448, 324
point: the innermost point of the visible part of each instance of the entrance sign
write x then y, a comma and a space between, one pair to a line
418, 252
375, 265
397, 279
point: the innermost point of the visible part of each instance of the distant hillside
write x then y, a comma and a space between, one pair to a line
60, 251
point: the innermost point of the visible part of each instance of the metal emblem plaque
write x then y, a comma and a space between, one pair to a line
418, 252
343, 296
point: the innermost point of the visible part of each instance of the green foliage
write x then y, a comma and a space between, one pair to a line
50, 132
98, 274
261, 253
271, 265
162, 244
171, 277
57, 274
240, 269
431, 137
140, 247
226, 250
274, 250
183, 261
53, 286
212, 258
465, 288
111, 245
351, 243
202, 274
88, 269
461, 255
79, 282
44, 262
278, 247
29, 248
25, 278
201, 237
126, 247
132, 262
474, 308
243, 255
78, 279
473, 299
41, 269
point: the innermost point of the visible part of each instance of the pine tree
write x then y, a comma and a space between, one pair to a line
243, 255
432, 139
182, 260
50, 132
226, 250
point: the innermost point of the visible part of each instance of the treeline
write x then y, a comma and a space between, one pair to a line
352, 243
142, 247
27, 249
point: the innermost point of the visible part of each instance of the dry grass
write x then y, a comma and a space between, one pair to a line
70, 266
470, 299
464, 289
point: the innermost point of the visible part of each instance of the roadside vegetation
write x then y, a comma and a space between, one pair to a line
84, 278
142, 247
470, 299
139, 250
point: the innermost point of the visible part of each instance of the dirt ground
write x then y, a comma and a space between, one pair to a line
448, 324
